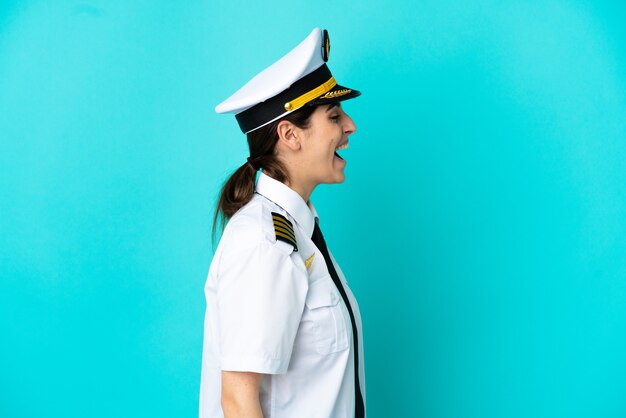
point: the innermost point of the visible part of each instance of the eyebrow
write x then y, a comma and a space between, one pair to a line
330, 106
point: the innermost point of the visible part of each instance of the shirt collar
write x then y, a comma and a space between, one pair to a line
304, 213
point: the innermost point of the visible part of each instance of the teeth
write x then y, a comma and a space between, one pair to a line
342, 147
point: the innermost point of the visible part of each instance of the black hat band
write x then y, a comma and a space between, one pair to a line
263, 112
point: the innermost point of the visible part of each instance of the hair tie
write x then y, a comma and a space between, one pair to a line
252, 164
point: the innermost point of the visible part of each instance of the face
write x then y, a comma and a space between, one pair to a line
329, 129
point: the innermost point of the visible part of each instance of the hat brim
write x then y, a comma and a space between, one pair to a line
336, 94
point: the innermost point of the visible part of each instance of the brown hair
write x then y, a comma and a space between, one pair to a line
239, 188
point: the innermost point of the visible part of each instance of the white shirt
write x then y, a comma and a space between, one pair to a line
268, 313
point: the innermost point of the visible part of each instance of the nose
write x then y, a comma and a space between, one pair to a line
348, 127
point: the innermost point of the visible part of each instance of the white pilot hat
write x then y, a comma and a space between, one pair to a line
299, 78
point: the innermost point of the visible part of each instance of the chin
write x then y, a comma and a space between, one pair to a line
335, 180
335, 175
340, 179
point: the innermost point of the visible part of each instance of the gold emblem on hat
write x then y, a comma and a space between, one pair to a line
336, 93
325, 46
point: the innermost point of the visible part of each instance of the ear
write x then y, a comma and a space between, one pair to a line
289, 134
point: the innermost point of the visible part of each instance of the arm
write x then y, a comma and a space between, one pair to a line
240, 394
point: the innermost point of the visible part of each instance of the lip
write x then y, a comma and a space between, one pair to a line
341, 144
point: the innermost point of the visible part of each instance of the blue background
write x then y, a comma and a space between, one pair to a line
482, 224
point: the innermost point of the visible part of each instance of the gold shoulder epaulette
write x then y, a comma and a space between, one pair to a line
284, 230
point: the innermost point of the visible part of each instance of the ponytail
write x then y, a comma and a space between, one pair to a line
239, 188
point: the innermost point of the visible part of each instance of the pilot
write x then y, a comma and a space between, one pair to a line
282, 330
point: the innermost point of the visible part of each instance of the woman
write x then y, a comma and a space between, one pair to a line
283, 334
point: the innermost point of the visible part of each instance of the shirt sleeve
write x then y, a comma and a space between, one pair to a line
260, 296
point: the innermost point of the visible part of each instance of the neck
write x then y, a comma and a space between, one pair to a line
300, 185
303, 189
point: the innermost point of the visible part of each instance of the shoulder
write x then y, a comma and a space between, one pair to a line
260, 221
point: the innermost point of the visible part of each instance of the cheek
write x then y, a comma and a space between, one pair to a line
325, 139
323, 142
332, 134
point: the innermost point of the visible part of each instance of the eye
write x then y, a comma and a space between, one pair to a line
335, 118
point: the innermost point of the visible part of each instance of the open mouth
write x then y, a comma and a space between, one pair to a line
342, 147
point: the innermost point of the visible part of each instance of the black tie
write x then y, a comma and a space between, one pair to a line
318, 240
